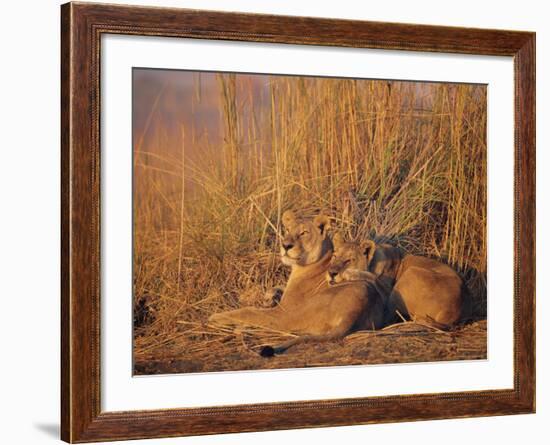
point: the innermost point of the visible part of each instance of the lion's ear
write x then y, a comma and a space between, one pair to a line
322, 222
337, 240
368, 247
289, 219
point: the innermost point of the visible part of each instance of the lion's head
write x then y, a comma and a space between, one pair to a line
348, 257
305, 241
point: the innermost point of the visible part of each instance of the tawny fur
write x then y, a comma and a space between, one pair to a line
422, 289
310, 306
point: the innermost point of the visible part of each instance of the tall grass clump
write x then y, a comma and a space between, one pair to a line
398, 161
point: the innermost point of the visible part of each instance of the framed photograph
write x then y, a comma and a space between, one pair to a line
275, 222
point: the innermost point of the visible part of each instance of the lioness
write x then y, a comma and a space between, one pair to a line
423, 289
309, 307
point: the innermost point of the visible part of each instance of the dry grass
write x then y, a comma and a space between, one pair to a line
399, 343
399, 161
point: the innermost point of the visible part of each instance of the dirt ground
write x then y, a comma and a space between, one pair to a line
399, 343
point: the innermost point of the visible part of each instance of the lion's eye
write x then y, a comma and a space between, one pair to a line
305, 232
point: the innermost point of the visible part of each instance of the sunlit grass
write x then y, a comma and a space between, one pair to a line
387, 160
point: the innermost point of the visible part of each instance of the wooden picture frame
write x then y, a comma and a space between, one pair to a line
82, 26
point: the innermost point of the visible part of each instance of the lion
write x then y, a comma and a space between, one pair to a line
349, 263
309, 307
414, 287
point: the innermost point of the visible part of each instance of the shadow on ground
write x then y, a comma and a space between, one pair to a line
49, 429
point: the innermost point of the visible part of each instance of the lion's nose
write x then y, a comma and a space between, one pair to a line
288, 246
332, 273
